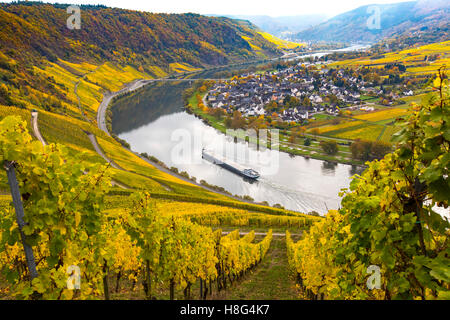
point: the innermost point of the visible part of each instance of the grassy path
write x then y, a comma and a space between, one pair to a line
270, 280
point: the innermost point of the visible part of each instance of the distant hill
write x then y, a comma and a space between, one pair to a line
282, 26
395, 20
30, 31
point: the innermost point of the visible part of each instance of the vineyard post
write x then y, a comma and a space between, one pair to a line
210, 287
15, 192
172, 289
105, 281
148, 280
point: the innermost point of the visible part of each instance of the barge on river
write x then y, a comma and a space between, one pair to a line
246, 173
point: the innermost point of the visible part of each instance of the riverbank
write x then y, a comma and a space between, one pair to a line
147, 119
313, 151
103, 125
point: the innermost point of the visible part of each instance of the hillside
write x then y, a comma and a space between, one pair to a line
43, 63
52, 82
64, 74
91, 219
418, 60
124, 36
395, 19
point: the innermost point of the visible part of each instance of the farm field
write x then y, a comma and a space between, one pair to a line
188, 201
258, 284
369, 132
386, 114
281, 44
182, 67
389, 131
378, 125
415, 59
88, 82
346, 123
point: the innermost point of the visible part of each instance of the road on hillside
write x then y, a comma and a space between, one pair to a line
37, 133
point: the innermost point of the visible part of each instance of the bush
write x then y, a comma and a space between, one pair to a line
307, 142
329, 147
185, 174
369, 150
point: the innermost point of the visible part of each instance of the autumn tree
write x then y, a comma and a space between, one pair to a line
293, 136
238, 122
369, 150
306, 102
217, 113
315, 132
257, 124
302, 130
272, 106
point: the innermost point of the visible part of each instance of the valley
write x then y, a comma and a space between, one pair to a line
101, 136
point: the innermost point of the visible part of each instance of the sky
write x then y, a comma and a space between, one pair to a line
272, 8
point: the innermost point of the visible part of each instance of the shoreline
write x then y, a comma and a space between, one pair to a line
317, 156
101, 123
139, 83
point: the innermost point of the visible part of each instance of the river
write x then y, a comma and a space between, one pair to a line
154, 121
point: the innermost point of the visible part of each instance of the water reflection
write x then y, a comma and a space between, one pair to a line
328, 168
147, 105
147, 120
355, 170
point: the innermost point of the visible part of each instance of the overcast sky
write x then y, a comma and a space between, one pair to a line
272, 8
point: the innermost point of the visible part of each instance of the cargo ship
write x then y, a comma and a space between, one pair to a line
246, 173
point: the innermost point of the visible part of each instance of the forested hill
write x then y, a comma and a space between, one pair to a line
397, 19
30, 31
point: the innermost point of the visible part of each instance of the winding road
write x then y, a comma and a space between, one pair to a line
38, 135
100, 151
107, 97
36, 132
101, 114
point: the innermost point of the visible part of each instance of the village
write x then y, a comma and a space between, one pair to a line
294, 94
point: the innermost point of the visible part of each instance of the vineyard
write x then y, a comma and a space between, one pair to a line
371, 126
85, 218
387, 114
281, 44
385, 226
137, 242
131, 244
415, 59
151, 243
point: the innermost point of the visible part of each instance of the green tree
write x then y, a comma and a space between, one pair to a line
307, 141
329, 147
306, 102
369, 150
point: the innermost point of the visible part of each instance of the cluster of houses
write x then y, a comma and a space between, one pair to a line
252, 93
